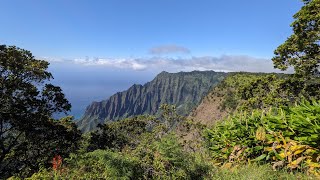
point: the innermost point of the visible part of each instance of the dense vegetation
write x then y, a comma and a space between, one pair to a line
184, 89
302, 49
138, 148
29, 137
152, 153
156, 153
272, 133
249, 91
286, 137
151, 147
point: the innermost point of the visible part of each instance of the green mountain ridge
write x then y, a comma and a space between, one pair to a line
183, 89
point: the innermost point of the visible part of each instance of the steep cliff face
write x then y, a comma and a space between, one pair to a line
210, 110
223, 100
184, 89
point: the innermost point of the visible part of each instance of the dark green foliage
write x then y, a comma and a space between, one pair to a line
28, 136
302, 49
128, 132
166, 159
169, 117
234, 85
117, 135
152, 159
99, 164
272, 90
249, 91
229, 101
154, 150
102, 170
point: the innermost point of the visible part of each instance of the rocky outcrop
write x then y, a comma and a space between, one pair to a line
183, 89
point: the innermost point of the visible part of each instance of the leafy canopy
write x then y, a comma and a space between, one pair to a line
302, 49
29, 137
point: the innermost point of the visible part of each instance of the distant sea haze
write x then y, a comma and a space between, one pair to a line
86, 80
84, 84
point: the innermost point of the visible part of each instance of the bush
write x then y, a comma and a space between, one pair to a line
283, 136
153, 159
99, 164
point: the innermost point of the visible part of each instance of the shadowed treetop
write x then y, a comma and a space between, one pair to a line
302, 49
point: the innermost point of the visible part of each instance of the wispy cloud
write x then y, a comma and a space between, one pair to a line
168, 49
114, 63
224, 63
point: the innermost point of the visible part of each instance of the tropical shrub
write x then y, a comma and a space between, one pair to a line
128, 132
99, 164
249, 91
277, 91
164, 158
282, 136
117, 135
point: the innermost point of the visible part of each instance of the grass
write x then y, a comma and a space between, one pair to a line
256, 172
98, 165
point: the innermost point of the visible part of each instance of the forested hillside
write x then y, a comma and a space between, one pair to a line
183, 89
223, 99
249, 126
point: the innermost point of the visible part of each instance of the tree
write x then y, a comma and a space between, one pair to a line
116, 135
130, 131
302, 49
29, 136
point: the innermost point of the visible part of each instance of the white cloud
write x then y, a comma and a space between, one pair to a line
168, 49
224, 63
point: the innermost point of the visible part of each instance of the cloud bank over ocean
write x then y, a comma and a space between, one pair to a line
84, 80
226, 63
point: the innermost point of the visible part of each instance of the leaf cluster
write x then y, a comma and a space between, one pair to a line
29, 137
302, 49
269, 136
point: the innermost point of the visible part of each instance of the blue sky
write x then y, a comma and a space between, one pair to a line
99, 47
125, 28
